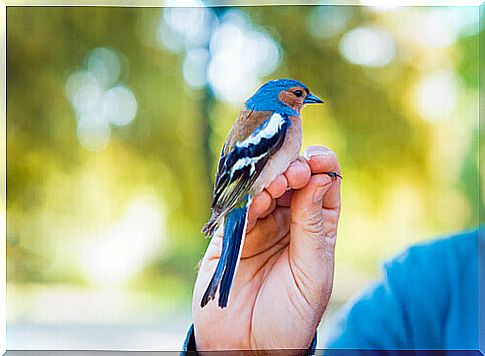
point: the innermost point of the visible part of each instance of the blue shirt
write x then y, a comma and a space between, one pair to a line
427, 299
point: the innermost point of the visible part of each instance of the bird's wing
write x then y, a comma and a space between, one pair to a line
242, 161
246, 123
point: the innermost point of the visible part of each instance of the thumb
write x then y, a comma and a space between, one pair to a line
311, 253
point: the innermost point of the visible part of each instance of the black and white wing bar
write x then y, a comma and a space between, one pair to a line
246, 160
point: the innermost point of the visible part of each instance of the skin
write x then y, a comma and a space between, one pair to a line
285, 275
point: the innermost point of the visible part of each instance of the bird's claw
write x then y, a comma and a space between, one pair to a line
333, 175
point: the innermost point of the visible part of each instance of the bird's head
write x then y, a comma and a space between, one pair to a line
282, 93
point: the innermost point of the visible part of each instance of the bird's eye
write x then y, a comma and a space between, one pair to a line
298, 93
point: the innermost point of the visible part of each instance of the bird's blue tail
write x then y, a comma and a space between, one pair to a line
234, 231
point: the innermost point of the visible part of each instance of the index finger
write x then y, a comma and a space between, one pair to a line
298, 174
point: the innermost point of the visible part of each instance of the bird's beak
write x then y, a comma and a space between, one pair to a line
312, 99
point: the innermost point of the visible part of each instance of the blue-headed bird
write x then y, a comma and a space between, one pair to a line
263, 141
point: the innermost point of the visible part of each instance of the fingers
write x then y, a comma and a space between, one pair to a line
278, 187
322, 159
311, 254
268, 233
296, 176
285, 200
259, 205
262, 204
306, 207
269, 210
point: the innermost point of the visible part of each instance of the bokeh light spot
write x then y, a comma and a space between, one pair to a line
234, 70
435, 95
119, 105
327, 21
368, 46
98, 99
218, 51
194, 66
123, 249
104, 64
190, 24
93, 132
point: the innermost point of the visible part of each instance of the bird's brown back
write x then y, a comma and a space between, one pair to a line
245, 124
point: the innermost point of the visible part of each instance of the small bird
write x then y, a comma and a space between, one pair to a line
263, 141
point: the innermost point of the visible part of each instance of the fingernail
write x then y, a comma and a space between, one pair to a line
315, 151
318, 195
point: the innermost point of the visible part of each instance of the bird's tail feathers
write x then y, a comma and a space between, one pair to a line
211, 226
211, 290
239, 233
234, 233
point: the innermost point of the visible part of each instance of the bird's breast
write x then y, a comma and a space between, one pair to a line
280, 160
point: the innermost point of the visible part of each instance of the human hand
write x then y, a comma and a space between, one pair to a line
285, 276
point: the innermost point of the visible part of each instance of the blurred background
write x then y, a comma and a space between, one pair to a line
116, 117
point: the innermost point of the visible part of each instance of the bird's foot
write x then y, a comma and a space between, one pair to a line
333, 175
